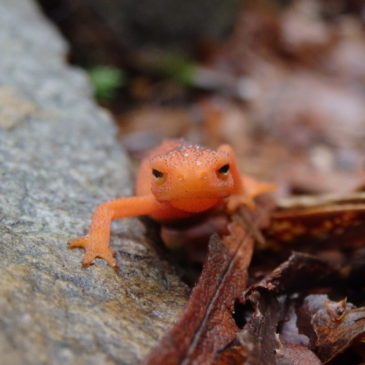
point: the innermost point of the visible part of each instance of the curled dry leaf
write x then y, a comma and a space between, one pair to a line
334, 326
261, 334
299, 272
340, 218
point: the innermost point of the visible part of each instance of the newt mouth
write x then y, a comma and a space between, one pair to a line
195, 205
190, 193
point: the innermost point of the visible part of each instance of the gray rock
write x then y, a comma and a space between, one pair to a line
58, 159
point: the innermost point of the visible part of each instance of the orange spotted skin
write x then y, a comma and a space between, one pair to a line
176, 180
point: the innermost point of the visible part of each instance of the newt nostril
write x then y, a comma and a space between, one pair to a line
204, 176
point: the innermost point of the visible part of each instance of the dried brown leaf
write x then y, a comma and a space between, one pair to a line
331, 326
261, 340
259, 334
300, 271
293, 354
313, 219
236, 354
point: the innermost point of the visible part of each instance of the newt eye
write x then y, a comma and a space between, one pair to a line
157, 174
223, 170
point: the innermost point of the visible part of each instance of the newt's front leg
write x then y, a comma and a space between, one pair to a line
96, 242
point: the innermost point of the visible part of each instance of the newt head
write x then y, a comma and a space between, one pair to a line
191, 178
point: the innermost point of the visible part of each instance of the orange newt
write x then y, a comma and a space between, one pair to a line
176, 180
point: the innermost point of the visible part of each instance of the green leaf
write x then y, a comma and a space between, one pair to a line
106, 80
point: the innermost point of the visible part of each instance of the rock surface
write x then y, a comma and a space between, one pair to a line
58, 160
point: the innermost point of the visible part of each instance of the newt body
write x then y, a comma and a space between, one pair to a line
176, 180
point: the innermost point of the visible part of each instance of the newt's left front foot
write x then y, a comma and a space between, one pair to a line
252, 189
93, 249
255, 187
235, 201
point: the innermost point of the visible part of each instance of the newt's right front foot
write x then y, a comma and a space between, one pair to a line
93, 250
